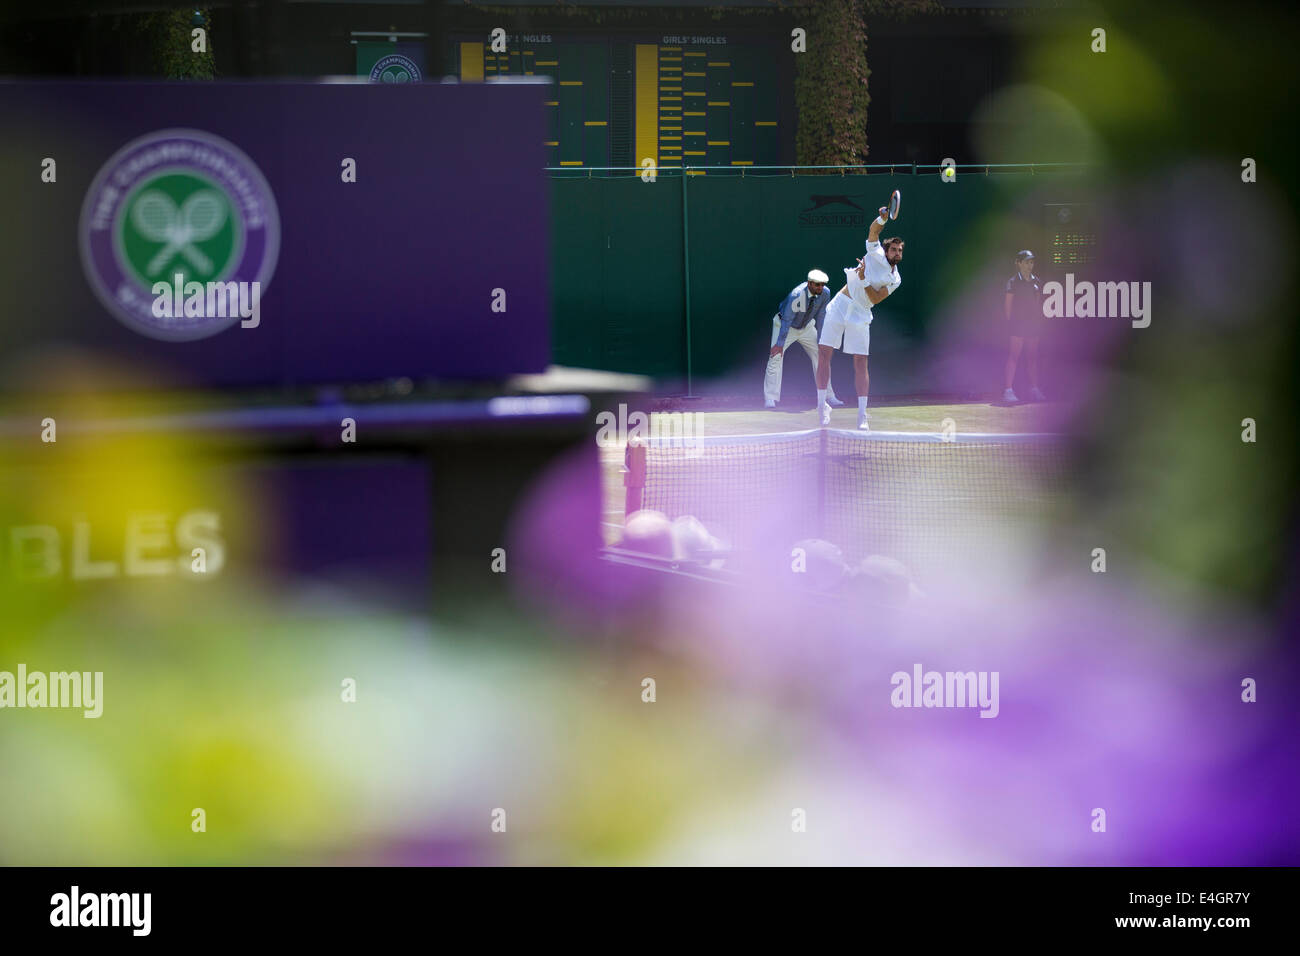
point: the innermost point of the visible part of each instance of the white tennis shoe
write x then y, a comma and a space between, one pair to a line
826, 414
1036, 395
862, 421
834, 402
1009, 396
768, 403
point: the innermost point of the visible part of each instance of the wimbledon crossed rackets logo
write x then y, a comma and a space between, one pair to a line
157, 218
395, 68
176, 202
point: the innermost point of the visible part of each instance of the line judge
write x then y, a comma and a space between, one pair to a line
796, 320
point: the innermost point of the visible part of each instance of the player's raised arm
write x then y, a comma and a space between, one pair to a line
886, 213
873, 234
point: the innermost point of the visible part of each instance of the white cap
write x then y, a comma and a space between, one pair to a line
818, 276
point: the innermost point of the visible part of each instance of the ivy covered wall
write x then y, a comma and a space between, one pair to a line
171, 40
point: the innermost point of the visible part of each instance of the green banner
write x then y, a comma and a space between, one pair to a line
387, 62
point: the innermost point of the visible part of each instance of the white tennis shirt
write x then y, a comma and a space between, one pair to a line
878, 273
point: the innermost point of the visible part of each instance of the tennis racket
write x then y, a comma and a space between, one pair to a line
894, 202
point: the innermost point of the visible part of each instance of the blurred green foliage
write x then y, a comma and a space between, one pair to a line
1182, 89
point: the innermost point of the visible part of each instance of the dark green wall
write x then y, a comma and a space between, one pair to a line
617, 276
618, 263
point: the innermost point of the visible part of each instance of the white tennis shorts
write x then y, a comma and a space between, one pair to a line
844, 326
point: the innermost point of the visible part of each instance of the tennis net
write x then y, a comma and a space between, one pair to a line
933, 502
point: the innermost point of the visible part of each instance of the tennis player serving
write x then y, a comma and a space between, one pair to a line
849, 315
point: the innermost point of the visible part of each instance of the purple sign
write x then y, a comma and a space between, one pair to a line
278, 234
364, 525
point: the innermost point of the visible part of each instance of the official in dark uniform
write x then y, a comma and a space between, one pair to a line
1024, 315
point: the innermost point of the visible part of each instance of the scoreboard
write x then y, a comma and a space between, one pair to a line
716, 105
1071, 233
675, 99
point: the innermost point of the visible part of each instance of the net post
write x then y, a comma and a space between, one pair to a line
633, 476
